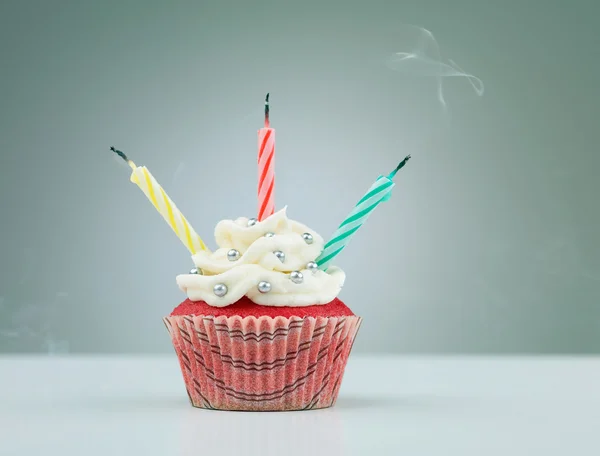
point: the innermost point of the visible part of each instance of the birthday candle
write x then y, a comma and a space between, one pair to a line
380, 191
164, 205
266, 167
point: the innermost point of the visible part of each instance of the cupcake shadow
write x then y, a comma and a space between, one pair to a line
267, 433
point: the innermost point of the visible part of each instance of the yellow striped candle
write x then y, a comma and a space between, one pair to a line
164, 205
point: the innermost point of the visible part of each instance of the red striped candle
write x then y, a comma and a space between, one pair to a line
266, 168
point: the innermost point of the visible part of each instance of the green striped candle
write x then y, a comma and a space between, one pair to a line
380, 191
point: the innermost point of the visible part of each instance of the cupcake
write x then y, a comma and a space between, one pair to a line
262, 328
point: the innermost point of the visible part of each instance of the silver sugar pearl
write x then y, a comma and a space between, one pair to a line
252, 222
220, 290
269, 234
264, 287
312, 266
233, 255
279, 254
307, 238
196, 271
296, 277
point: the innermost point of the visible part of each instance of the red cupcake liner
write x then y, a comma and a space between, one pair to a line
262, 363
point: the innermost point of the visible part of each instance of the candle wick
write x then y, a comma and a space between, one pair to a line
124, 157
399, 167
267, 111
120, 154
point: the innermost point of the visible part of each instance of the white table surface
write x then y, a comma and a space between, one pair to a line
387, 405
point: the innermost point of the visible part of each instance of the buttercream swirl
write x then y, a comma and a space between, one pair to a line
257, 263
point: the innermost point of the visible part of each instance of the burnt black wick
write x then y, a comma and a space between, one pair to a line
400, 165
120, 154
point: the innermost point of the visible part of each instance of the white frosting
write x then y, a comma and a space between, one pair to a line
258, 263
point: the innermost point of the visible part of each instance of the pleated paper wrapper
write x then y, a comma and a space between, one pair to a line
262, 363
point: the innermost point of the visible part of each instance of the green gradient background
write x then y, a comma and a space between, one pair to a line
490, 243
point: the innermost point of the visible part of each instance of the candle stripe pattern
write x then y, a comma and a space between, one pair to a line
163, 204
380, 191
266, 173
